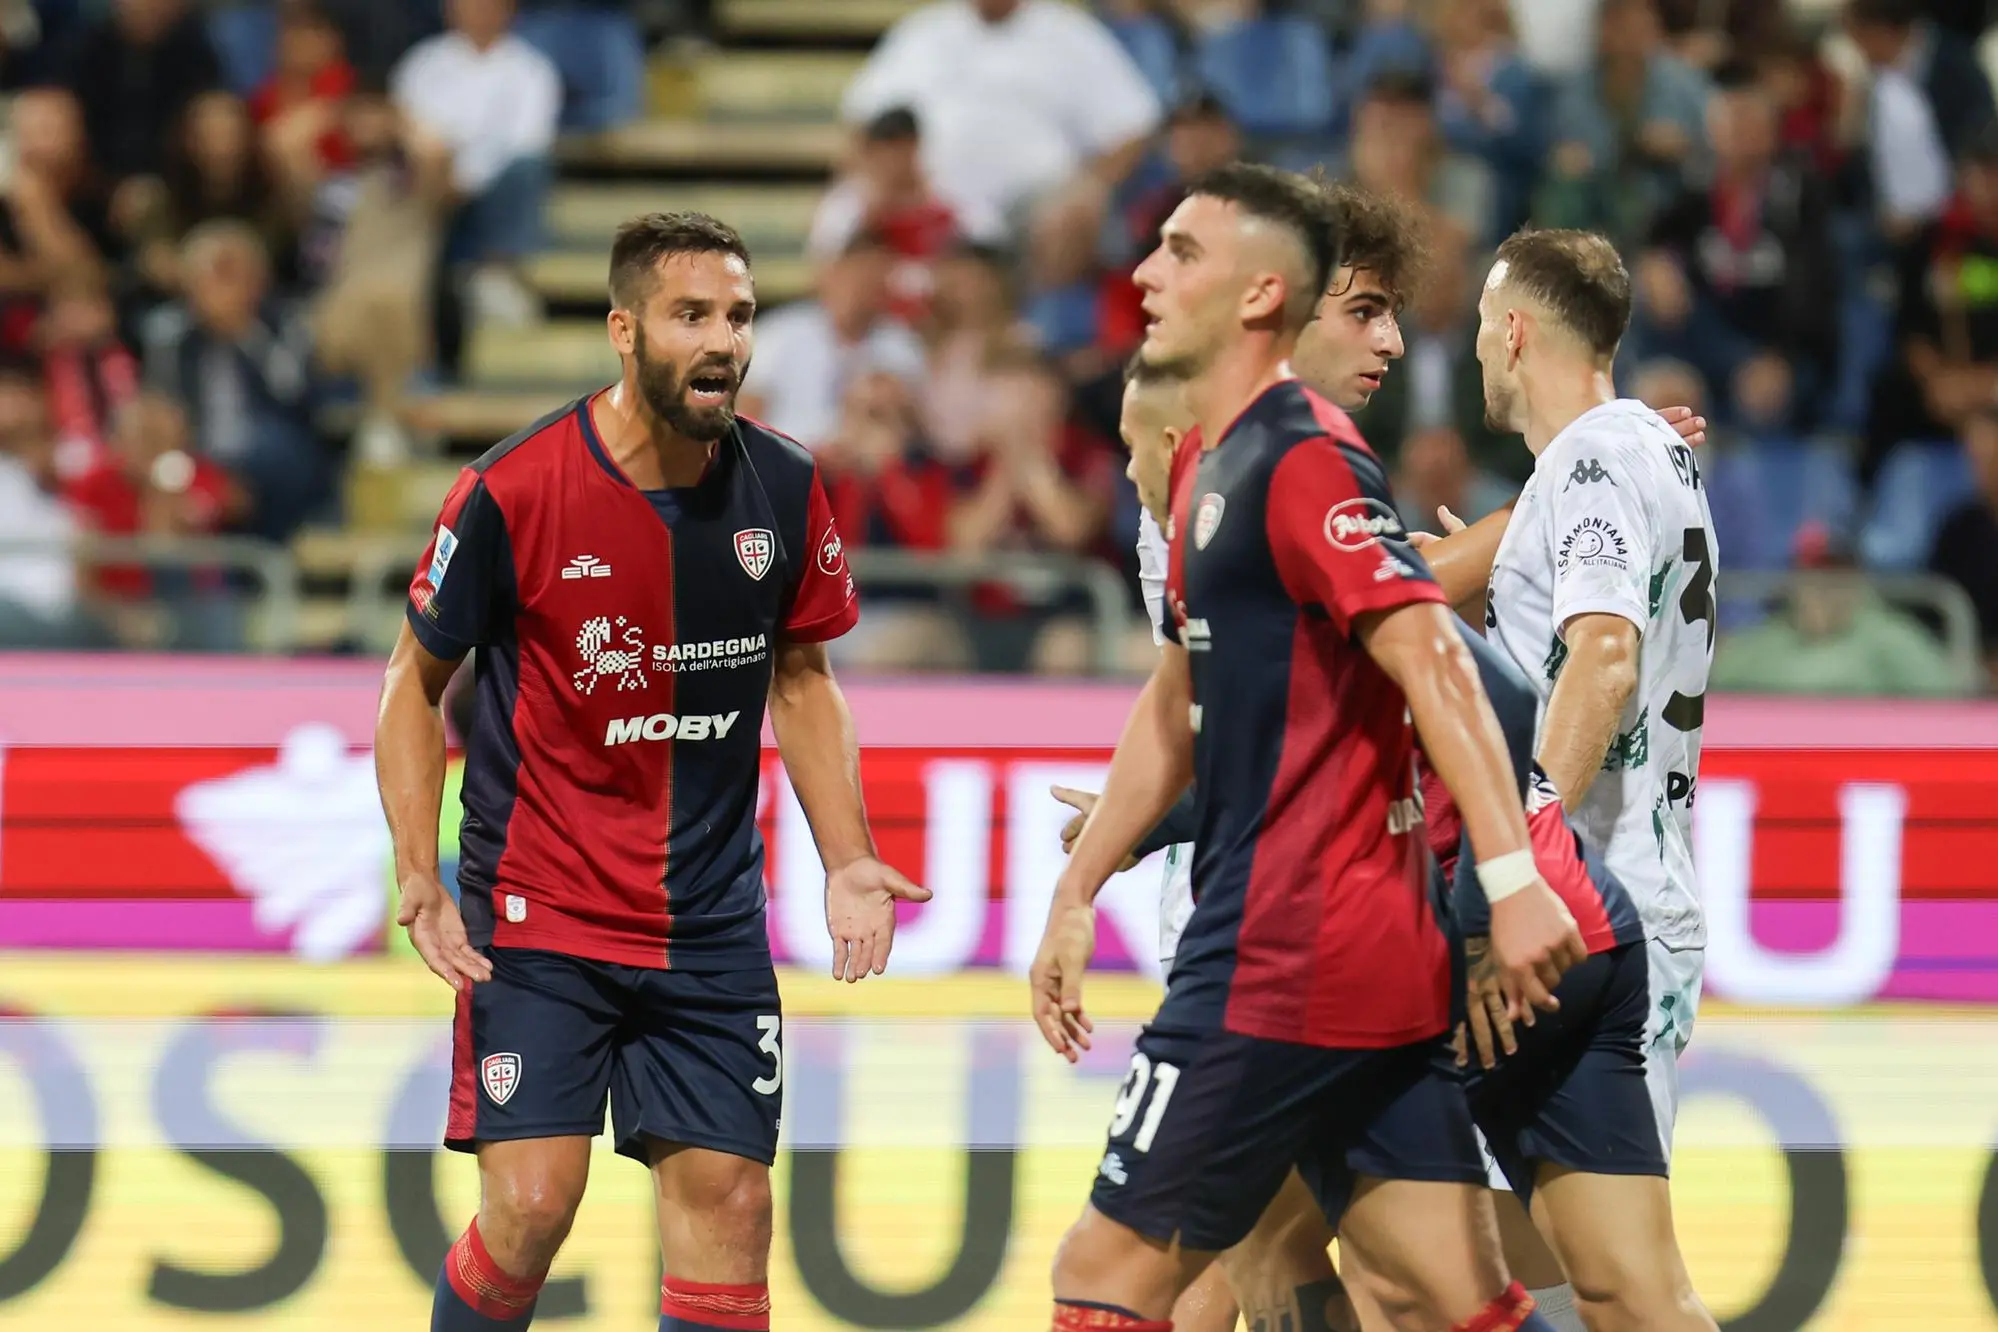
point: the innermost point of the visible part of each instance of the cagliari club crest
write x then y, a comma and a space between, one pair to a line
1207, 518
500, 1073
755, 547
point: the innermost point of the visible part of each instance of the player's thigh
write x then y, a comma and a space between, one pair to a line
1204, 1129
1615, 1238
531, 1050
1410, 1196
529, 1190
700, 1063
1282, 1273
1208, 1305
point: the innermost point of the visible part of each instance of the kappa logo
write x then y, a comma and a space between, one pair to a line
1357, 523
755, 547
609, 654
1587, 472
585, 566
499, 1074
1208, 518
1111, 1168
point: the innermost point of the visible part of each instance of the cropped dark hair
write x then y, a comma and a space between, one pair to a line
643, 241
1885, 13
1292, 202
1578, 277
1377, 233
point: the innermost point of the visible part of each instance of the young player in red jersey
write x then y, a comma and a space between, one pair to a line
1311, 637
640, 572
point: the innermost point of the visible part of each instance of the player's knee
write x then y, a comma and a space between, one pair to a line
1616, 1294
1094, 1253
743, 1211
528, 1213
1400, 1304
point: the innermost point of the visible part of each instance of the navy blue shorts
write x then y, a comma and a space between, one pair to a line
1208, 1124
1575, 1093
692, 1058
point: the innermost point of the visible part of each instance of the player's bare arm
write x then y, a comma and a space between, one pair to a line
1461, 559
1152, 766
1532, 933
1588, 701
409, 766
815, 738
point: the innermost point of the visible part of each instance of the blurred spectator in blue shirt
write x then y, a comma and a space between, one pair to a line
1966, 549
1628, 125
1492, 104
1740, 276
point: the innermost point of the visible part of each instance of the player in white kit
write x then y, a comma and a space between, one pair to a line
1602, 593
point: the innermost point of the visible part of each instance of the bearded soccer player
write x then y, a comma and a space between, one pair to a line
1599, 588
1311, 637
640, 572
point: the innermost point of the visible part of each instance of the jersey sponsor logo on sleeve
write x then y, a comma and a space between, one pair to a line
499, 1074
669, 726
1355, 524
1593, 543
755, 547
585, 566
832, 554
1212, 506
440, 556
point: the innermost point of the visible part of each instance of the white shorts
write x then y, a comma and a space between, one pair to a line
1675, 976
1175, 901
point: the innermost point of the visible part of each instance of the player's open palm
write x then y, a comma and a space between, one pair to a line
860, 915
1535, 940
438, 932
1056, 977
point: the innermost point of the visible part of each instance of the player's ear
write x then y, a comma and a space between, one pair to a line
1264, 299
1171, 436
623, 327
1515, 336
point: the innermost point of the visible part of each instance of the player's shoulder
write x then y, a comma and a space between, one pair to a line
770, 450
519, 462
1624, 429
1304, 430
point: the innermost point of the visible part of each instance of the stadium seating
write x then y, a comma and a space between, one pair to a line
601, 57
1274, 74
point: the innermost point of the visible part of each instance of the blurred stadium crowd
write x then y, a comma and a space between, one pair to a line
249, 254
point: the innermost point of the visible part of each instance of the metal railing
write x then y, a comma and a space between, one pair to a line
272, 625
1949, 604
381, 570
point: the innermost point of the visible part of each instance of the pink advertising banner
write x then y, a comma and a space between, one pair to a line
1847, 851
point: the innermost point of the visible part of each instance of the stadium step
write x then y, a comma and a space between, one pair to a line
484, 417
806, 20
559, 353
775, 85
798, 147
579, 277
774, 217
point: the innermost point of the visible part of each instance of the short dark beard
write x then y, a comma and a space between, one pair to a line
665, 395
1185, 366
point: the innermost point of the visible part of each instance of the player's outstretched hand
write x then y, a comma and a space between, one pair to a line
860, 915
1491, 1031
438, 932
1691, 428
1535, 940
1081, 802
1056, 976
1450, 522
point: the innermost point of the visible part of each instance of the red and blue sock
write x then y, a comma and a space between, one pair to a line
696, 1306
1512, 1311
1087, 1316
475, 1295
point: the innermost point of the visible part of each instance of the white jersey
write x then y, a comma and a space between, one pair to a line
1176, 893
1614, 520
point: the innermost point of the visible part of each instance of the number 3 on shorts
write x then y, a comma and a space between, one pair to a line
1145, 1076
768, 1025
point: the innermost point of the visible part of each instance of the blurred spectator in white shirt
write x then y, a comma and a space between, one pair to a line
38, 587
886, 190
808, 352
1016, 98
495, 101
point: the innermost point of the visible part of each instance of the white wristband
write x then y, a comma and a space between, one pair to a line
1502, 876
